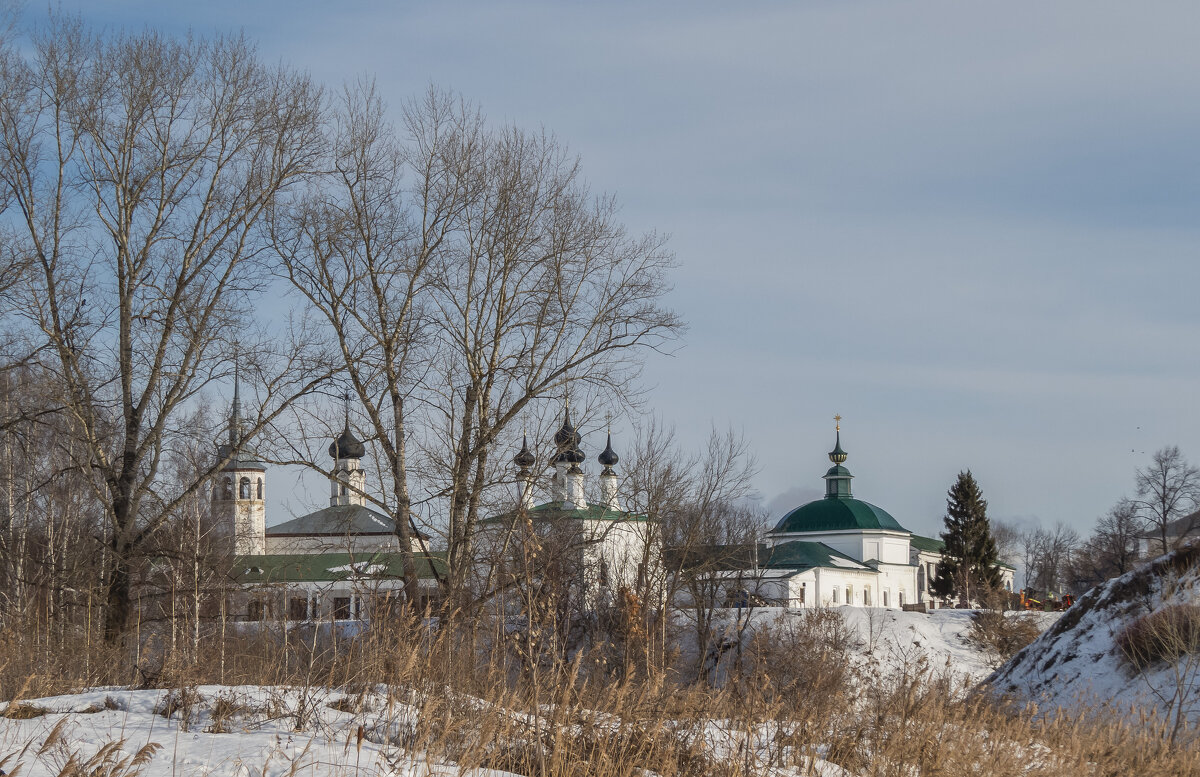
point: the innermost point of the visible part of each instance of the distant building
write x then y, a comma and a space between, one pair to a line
599, 547
837, 551
1179, 531
340, 562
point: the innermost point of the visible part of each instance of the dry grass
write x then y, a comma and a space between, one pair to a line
462, 694
1002, 635
1163, 635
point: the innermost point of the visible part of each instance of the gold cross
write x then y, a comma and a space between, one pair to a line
838, 420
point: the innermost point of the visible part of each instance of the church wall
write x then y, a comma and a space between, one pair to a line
832, 586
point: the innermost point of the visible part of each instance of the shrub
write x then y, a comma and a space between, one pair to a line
1163, 635
1003, 635
24, 711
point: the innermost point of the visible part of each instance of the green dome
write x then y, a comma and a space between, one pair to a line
836, 514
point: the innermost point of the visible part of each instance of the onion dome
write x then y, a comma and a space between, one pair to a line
837, 455
567, 440
524, 459
347, 446
608, 457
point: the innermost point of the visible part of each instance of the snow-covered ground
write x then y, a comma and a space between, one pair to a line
256, 731
1078, 662
889, 639
245, 731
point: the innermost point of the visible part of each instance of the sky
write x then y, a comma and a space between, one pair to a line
970, 229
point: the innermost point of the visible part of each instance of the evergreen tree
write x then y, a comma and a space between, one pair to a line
970, 566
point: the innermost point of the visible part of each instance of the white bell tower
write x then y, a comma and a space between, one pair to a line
238, 494
349, 481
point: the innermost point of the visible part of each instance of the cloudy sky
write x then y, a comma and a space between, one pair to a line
969, 228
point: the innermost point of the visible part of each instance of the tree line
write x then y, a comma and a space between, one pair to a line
171, 208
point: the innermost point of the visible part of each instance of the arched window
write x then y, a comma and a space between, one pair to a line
902, 599
867, 596
344, 491
835, 595
244, 488
228, 488
885, 598
259, 488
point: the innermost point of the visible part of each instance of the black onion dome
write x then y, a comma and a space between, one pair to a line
567, 437
524, 458
609, 457
567, 441
347, 446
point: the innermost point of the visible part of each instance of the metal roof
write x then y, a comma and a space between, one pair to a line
337, 520
331, 567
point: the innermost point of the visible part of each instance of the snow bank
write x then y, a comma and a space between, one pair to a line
1077, 662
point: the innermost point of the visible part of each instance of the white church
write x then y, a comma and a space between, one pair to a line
835, 551
341, 562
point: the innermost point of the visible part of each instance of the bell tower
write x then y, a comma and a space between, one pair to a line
349, 481
238, 494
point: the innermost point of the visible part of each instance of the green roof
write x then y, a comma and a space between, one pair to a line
331, 567
834, 513
556, 511
927, 544
807, 555
930, 545
797, 555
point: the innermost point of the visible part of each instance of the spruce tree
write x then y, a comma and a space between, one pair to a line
970, 566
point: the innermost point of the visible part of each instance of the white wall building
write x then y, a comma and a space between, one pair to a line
835, 551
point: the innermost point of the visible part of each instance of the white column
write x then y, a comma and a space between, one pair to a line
608, 490
575, 488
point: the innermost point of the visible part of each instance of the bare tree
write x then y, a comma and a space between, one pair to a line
538, 284
1047, 555
1167, 489
138, 169
710, 529
360, 250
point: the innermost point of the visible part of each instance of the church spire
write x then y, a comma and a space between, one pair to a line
837, 455
837, 479
235, 414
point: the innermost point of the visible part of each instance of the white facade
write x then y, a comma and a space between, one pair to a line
238, 498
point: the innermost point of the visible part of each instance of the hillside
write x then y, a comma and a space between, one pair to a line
1079, 661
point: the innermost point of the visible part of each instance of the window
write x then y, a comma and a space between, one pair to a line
867, 596
603, 572
256, 610
849, 595
259, 488
228, 488
800, 601
885, 598
343, 489
835, 595
901, 598
298, 608
244, 488
341, 608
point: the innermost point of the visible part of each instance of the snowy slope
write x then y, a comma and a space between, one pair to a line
1076, 662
